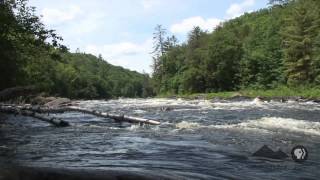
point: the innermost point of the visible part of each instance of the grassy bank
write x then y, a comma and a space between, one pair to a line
281, 92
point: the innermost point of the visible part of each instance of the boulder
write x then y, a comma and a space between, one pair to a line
58, 102
14, 92
40, 100
166, 108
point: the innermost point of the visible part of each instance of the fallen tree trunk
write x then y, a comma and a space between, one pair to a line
124, 118
120, 118
52, 120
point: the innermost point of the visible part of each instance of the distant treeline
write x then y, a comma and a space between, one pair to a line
275, 46
30, 54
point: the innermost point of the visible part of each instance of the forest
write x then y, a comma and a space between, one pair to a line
278, 46
33, 55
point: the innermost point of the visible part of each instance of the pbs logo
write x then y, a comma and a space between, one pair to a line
299, 153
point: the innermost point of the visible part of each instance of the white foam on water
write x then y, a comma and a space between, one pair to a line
263, 125
166, 123
184, 109
134, 127
188, 125
139, 111
147, 103
137, 127
140, 104
246, 104
276, 124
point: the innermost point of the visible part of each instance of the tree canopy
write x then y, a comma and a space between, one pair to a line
275, 46
33, 55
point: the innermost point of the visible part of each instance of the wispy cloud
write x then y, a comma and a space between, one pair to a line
187, 24
89, 23
209, 24
131, 55
149, 4
119, 29
238, 9
54, 16
73, 20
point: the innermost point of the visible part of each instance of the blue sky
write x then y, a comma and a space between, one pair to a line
121, 30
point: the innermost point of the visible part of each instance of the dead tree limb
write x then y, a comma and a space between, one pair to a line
124, 118
52, 120
120, 118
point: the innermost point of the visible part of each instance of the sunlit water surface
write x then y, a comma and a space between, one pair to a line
197, 139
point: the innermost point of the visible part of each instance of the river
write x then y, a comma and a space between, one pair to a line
197, 139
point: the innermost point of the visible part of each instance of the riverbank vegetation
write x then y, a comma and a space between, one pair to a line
272, 52
282, 92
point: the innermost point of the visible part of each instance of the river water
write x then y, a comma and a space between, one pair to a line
197, 139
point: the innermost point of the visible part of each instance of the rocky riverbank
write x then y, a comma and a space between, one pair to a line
31, 95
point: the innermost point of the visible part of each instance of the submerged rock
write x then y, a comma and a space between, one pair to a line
166, 109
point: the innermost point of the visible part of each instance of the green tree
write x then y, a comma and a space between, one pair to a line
159, 37
22, 38
170, 43
222, 67
298, 35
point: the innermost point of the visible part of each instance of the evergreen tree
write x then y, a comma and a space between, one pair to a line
159, 37
170, 43
298, 35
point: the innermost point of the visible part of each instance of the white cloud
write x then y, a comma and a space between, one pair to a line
148, 4
238, 9
135, 56
210, 24
187, 24
94, 21
73, 20
57, 16
89, 23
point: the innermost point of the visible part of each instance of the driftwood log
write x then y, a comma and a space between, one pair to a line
15, 110
123, 118
35, 111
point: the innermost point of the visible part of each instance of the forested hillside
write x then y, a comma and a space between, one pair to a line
278, 46
273, 47
30, 54
79, 75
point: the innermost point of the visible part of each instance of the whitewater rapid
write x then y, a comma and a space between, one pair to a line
267, 124
197, 139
